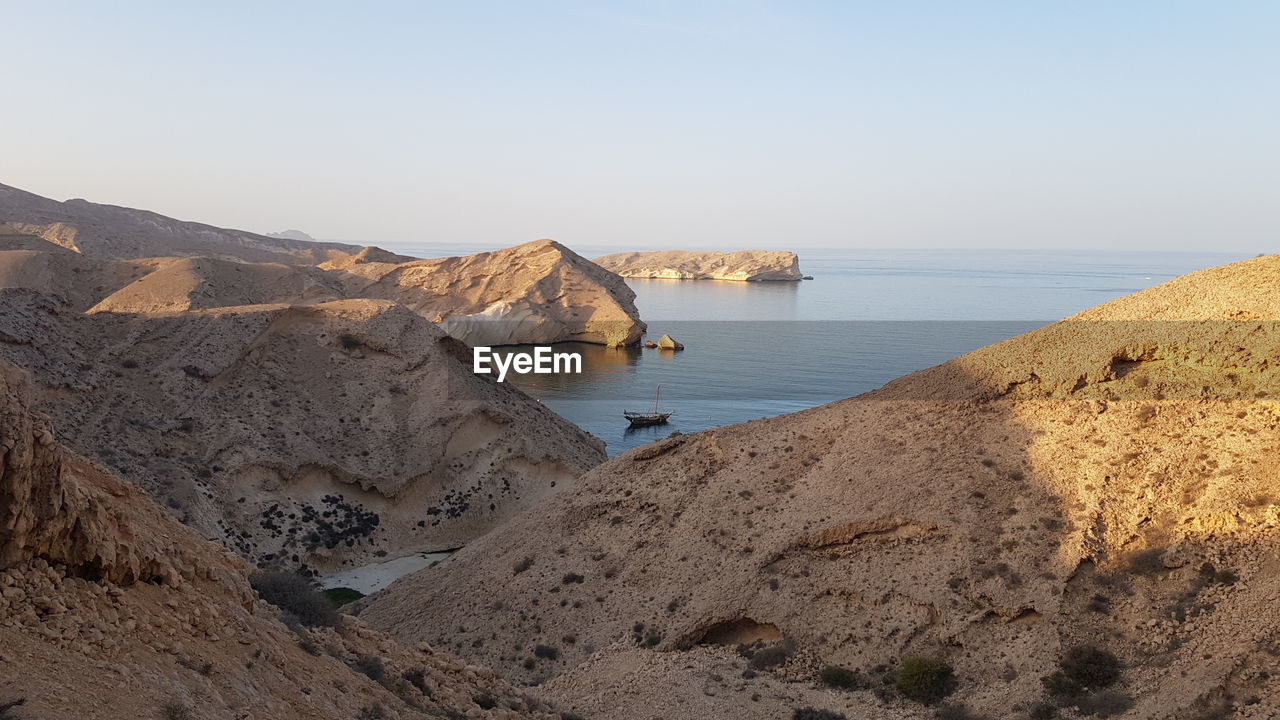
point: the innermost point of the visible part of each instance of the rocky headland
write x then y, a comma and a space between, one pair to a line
743, 265
538, 292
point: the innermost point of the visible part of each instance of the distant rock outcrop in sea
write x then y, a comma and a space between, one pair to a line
743, 265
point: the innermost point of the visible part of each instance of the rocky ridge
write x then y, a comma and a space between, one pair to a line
141, 262
119, 233
538, 292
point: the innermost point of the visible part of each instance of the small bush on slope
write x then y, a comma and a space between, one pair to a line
1082, 669
296, 595
371, 666
812, 714
839, 677
175, 711
924, 679
342, 596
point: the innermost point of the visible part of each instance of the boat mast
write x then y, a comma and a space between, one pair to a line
656, 397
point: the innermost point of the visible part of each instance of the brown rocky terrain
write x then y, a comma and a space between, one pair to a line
140, 262
743, 265
538, 292
178, 284
318, 436
116, 233
1080, 521
110, 609
311, 415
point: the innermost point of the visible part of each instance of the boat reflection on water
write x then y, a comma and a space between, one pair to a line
648, 433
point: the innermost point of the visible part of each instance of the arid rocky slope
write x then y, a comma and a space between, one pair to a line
318, 435
743, 265
131, 261
538, 292
306, 415
1105, 483
110, 609
116, 233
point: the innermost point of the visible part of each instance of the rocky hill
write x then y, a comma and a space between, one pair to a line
538, 292
118, 233
109, 609
200, 283
315, 436
131, 261
1081, 521
29, 262
743, 265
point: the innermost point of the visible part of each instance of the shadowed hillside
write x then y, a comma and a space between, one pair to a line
1078, 521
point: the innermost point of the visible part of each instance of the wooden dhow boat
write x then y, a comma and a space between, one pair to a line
645, 419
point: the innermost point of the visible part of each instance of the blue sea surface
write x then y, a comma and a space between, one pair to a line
761, 349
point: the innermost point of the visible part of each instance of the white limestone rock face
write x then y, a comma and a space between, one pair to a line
743, 265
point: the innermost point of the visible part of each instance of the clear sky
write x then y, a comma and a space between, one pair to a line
1090, 124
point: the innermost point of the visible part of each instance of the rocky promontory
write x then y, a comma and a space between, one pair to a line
538, 292
743, 265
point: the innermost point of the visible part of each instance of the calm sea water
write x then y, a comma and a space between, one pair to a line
761, 349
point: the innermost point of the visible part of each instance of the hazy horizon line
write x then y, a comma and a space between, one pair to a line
489, 246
